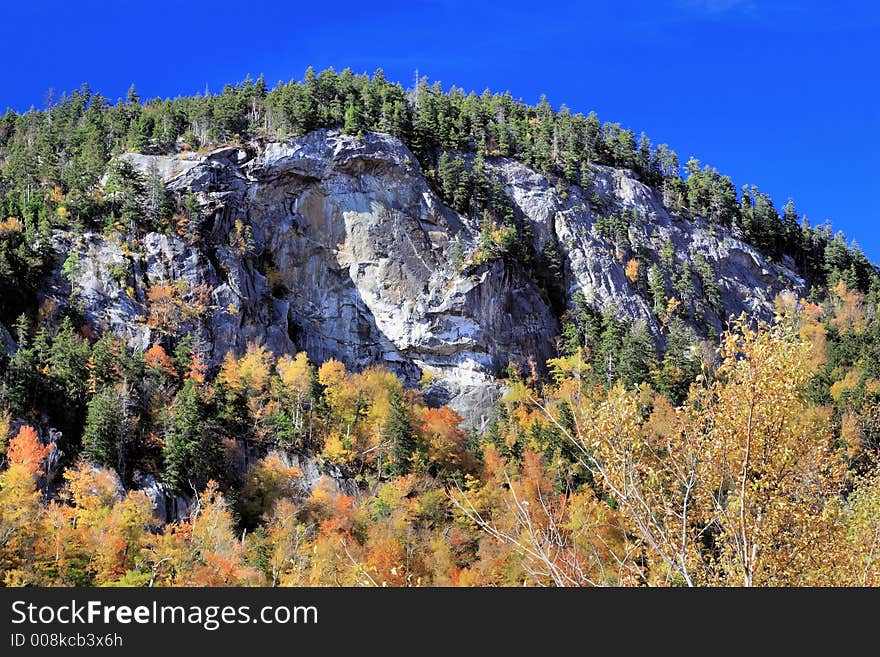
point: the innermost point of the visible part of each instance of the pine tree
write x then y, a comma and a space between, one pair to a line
606, 361
352, 125
20, 381
481, 190
102, 433
132, 97
708, 282
681, 362
154, 198
193, 452
637, 356
400, 432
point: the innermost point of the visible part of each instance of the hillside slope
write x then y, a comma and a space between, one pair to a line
337, 246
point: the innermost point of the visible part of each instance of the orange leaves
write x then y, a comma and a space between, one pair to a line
27, 450
170, 304
197, 369
162, 301
632, 270
157, 359
20, 510
217, 556
329, 507
386, 559
181, 224
534, 534
441, 421
11, 225
446, 440
56, 195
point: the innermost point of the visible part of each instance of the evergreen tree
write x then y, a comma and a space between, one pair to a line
657, 290
711, 292
401, 434
681, 362
606, 361
193, 452
637, 356
102, 435
20, 380
352, 125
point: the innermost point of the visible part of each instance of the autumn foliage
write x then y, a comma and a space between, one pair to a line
27, 451
304, 475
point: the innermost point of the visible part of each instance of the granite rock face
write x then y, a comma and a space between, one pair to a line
337, 245
747, 282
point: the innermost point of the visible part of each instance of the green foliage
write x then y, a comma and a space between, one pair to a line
708, 282
657, 290
193, 452
612, 229
681, 362
400, 433
101, 437
24, 261
71, 267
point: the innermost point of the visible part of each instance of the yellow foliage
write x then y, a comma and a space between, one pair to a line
250, 373
376, 384
813, 331
632, 270
11, 225
267, 481
19, 510
858, 564
848, 307
671, 306
337, 449
93, 492
294, 372
851, 434
332, 373
749, 435
848, 382
565, 367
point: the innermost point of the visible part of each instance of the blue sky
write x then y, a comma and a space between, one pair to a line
782, 94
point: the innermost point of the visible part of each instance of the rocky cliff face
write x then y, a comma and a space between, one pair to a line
337, 246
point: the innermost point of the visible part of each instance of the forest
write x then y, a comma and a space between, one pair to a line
746, 459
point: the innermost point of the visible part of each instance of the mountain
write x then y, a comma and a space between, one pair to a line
351, 255
345, 333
